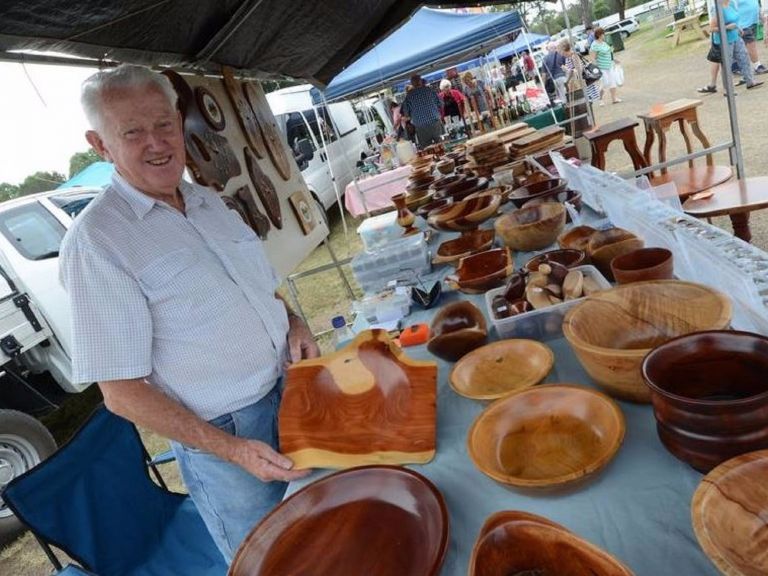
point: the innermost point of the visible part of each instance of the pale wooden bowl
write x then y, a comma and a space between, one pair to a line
613, 330
531, 228
730, 515
514, 542
605, 245
576, 238
546, 436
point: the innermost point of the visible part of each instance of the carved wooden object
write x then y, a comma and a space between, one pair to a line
456, 329
245, 115
269, 130
264, 188
531, 228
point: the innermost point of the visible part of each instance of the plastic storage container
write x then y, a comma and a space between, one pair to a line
377, 231
386, 306
543, 324
395, 260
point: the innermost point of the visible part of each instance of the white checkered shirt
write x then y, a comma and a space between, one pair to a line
188, 302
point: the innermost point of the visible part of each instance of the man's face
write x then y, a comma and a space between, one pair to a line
142, 135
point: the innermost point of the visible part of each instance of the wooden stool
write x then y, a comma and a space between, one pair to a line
623, 130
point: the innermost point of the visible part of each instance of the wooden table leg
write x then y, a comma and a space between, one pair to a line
648, 143
630, 145
678, 31
687, 138
662, 146
740, 224
598, 155
703, 139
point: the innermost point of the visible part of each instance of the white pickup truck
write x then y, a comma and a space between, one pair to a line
34, 329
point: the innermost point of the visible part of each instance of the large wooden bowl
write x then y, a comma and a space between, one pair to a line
546, 436
605, 245
519, 543
483, 271
500, 368
613, 330
374, 520
465, 245
710, 395
730, 515
576, 238
465, 215
367, 403
542, 189
531, 228
456, 329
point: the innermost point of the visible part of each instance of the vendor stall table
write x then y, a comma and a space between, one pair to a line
375, 192
544, 118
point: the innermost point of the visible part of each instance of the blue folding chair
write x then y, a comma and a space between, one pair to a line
94, 500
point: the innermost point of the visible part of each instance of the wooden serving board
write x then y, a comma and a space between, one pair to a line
539, 136
269, 130
367, 403
245, 115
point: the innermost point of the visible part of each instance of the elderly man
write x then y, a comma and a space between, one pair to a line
424, 109
554, 63
174, 311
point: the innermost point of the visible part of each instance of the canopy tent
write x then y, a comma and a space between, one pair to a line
430, 39
524, 41
98, 174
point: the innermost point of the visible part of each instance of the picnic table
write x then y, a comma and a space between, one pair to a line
689, 23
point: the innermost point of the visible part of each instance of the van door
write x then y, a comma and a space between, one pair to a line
296, 126
341, 158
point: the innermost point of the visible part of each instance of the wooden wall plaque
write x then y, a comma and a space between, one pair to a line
245, 115
269, 130
264, 188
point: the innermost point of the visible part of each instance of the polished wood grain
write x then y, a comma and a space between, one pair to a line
568, 257
499, 368
605, 245
246, 117
519, 543
465, 245
460, 188
730, 515
256, 219
265, 189
254, 93
367, 403
623, 130
374, 520
546, 436
612, 330
577, 238
483, 271
456, 329
531, 228
642, 265
710, 395
545, 187
689, 181
465, 215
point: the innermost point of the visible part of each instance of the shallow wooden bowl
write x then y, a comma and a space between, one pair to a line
730, 515
464, 215
499, 368
444, 181
349, 408
445, 166
531, 228
424, 210
546, 187
465, 245
546, 436
611, 331
605, 245
570, 196
642, 265
576, 238
483, 271
416, 201
456, 329
461, 187
710, 395
568, 257
377, 520
520, 543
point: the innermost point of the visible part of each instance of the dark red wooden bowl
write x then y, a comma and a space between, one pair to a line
551, 188
568, 257
710, 395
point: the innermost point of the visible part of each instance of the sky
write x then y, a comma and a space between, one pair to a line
40, 135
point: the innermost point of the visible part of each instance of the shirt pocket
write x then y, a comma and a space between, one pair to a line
164, 269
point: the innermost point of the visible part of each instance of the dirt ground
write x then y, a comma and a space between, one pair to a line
655, 73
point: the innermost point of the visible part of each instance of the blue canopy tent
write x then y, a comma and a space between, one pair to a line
429, 40
98, 174
524, 41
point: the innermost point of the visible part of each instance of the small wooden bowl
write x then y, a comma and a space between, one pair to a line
568, 257
605, 245
456, 329
576, 238
466, 245
424, 210
570, 196
710, 395
550, 187
414, 202
465, 215
513, 542
730, 515
483, 271
460, 188
611, 331
444, 181
445, 166
643, 264
546, 436
531, 228
333, 526
500, 368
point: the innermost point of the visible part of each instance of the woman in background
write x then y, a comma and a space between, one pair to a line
602, 55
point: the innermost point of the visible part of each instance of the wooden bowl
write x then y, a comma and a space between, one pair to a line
730, 515
461, 188
605, 245
465, 215
456, 329
465, 245
424, 210
445, 166
513, 542
370, 520
546, 436
613, 330
643, 264
499, 368
444, 181
546, 187
570, 196
531, 228
576, 238
710, 395
568, 257
347, 408
416, 201
483, 271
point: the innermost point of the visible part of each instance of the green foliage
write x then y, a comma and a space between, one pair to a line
8, 191
40, 182
81, 160
601, 9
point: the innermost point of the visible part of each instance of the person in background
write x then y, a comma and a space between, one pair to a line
424, 110
454, 103
573, 78
477, 97
601, 54
528, 66
554, 63
749, 16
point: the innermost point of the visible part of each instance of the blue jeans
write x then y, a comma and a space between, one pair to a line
230, 500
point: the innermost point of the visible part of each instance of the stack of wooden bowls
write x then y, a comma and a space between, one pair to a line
601, 246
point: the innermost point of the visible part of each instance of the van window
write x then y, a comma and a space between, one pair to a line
33, 231
329, 132
296, 129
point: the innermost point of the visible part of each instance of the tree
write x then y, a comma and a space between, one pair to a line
586, 12
40, 182
81, 160
8, 191
621, 6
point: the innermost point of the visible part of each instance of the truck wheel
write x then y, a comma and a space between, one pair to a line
24, 443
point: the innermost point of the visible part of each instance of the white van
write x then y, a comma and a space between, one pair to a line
346, 132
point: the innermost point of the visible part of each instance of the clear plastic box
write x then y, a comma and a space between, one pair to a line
543, 324
386, 306
378, 231
400, 260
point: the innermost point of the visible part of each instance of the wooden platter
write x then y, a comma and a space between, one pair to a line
245, 115
499, 368
264, 188
373, 520
730, 515
274, 144
519, 543
483, 271
546, 436
367, 403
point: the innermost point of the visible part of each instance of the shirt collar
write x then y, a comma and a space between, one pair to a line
141, 204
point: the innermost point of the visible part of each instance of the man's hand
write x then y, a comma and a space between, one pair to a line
301, 344
263, 462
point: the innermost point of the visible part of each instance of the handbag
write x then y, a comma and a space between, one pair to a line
589, 71
715, 53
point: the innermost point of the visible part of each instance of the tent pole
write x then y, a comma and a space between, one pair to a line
318, 117
590, 117
725, 70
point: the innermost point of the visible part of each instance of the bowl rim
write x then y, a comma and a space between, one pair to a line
558, 213
542, 348
585, 471
656, 389
725, 317
580, 262
645, 249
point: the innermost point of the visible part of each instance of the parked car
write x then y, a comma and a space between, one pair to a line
626, 27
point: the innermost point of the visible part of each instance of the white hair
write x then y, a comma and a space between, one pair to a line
125, 76
445, 84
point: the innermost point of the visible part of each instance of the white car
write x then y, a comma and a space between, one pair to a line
626, 27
